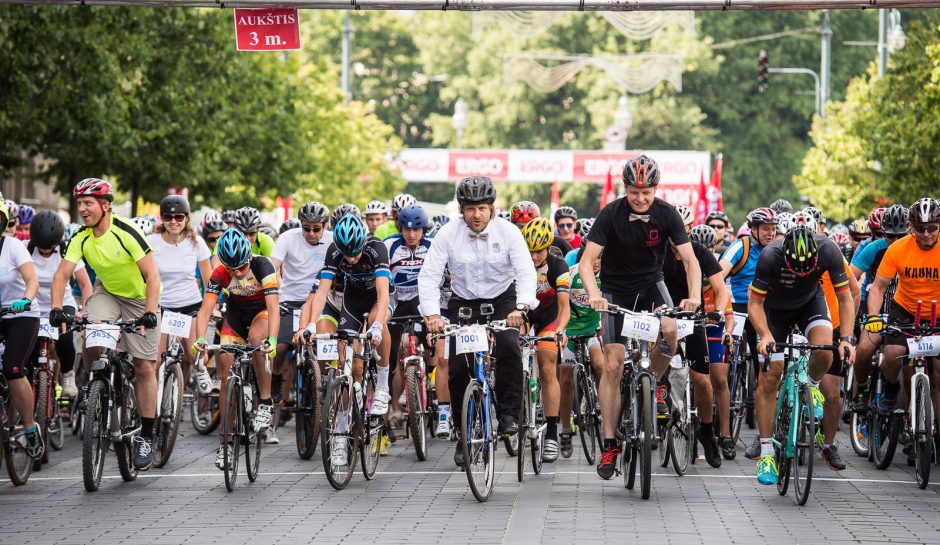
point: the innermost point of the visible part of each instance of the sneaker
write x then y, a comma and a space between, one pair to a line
608, 463
338, 453
270, 438
221, 454
550, 451
383, 447
508, 425
833, 460
767, 470
262, 420
458, 455
753, 452
34, 443
380, 403
69, 389
203, 380
443, 428
709, 449
396, 419
142, 455
661, 394
818, 400
216, 385
727, 448
566, 447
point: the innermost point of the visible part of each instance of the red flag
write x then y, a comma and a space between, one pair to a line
556, 198
716, 202
701, 205
609, 193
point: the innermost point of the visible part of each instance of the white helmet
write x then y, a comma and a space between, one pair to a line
784, 222
688, 218
402, 200
145, 224
375, 207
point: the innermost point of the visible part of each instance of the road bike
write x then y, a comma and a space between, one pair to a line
587, 413
421, 410
46, 405
169, 397
532, 422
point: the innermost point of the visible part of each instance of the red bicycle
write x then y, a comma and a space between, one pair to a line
421, 409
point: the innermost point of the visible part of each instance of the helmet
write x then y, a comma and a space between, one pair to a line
859, 228
583, 226
432, 229
228, 216
402, 200
288, 225
71, 229
799, 249
413, 216
817, 214
761, 216
839, 228
844, 242
895, 220
874, 219
641, 171
343, 210
94, 187
538, 234
523, 212
566, 212
209, 216
174, 204
704, 235
744, 231
350, 235
268, 229
923, 211
375, 207
314, 211
781, 205
504, 214
46, 230
718, 215
247, 219
784, 222
144, 224
213, 226
441, 219
804, 219
26, 214
234, 249
13, 209
476, 190
686, 214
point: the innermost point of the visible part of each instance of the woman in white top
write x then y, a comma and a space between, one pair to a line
177, 251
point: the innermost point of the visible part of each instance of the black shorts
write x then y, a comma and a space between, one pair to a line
897, 314
355, 306
285, 332
813, 313
20, 337
696, 350
238, 320
189, 310
653, 298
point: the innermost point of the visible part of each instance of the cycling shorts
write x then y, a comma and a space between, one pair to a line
545, 326
696, 350
188, 310
653, 298
354, 308
898, 314
20, 335
716, 350
286, 330
238, 320
780, 322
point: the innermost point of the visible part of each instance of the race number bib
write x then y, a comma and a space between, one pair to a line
327, 349
924, 347
642, 328
47, 330
174, 323
471, 339
684, 328
739, 319
296, 320
102, 336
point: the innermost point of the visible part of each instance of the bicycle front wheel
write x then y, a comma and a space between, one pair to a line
338, 447
804, 452
309, 403
232, 418
41, 415
737, 379
476, 436
523, 425
95, 435
171, 412
922, 437
417, 412
681, 438
585, 410
373, 430
782, 436
646, 420
253, 442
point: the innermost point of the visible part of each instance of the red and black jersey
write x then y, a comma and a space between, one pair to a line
261, 280
551, 279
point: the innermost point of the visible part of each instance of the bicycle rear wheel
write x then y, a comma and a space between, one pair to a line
171, 412
373, 429
417, 412
681, 438
307, 428
41, 415
95, 437
335, 430
253, 443
231, 435
204, 411
803, 455
585, 409
883, 433
476, 436
858, 432
782, 436
646, 420
922, 436
737, 379
538, 426
523, 425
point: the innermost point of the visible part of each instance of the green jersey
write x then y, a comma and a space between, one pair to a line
114, 256
387, 229
584, 319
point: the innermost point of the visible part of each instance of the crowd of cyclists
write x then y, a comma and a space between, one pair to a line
786, 273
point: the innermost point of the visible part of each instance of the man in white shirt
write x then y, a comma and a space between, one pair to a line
489, 262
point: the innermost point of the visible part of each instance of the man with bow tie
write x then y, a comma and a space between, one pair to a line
633, 232
489, 262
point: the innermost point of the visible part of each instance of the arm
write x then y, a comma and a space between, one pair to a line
725, 268
564, 311
586, 271
856, 272
755, 313
856, 291
148, 269
429, 283
524, 270
876, 295
315, 303
381, 292
693, 275
273, 305
28, 271
205, 311
846, 323
59, 281
205, 272
84, 284
721, 292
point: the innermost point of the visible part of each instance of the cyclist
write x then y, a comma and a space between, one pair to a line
127, 287
390, 228
550, 317
248, 221
915, 260
376, 214
632, 231
738, 264
523, 212
211, 231
13, 211
565, 219
785, 293
25, 217
720, 222
490, 263
252, 317
781, 206
582, 227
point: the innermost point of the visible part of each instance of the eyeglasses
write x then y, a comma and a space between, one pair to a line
178, 218
717, 225
565, 226
251, 233
312, 229
889, 236
238, 269
211, 240
930, 228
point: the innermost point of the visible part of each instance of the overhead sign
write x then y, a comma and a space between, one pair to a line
273, 29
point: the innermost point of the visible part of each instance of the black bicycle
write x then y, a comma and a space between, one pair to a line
587, 412
309, 389
12, 433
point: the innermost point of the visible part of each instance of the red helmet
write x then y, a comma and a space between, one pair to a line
874, 219
523, 212
94, 187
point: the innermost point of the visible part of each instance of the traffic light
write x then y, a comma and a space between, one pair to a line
763, 74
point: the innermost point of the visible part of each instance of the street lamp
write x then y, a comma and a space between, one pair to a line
460, 120
896, 37
623, 119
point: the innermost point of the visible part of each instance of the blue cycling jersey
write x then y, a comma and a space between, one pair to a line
741, 280
571, 258
867, 258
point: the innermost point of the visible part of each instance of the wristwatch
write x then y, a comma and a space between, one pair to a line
522, 308
849, 339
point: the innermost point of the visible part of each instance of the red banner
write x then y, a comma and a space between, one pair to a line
493, 164
267, 29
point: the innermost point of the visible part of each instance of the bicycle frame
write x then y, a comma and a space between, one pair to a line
172, 354
794, 376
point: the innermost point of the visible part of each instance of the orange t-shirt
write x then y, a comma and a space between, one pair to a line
830, 292
918, 273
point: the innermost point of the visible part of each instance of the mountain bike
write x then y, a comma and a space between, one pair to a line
169, 387
12, 433
587, 412
420, 408
46, 411
308, 391
532, 422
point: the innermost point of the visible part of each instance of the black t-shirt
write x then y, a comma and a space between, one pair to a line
787, 291
634, 250
674, 272
358, 278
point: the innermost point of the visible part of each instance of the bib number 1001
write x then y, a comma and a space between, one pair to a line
471, 339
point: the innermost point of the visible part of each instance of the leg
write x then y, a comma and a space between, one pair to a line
566, 387
21, 393
868, 343
257, 334
508, 374
665, 349
765, 398
146, 373
832, 408
704, 396
718, 375
609, 388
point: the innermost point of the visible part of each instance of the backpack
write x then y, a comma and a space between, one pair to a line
746, 252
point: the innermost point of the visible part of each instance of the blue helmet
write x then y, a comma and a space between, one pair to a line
441, 219
350, 235
234, 248
26, 214
413, 216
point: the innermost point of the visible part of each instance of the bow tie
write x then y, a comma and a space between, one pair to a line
645, 218
481, 236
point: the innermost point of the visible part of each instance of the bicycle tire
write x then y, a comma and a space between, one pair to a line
56, 432
804, 454
308, 407
171, 412
884, 432
337, 396
19, 463
586, 415
373, 430
629, 449
922, 436
253, 440
417, 413
751, 382
95, 436
681, 439
475, 429
738, 400
207, 421
647, 427
781, 435
232, 419
537, 444
41, 415
129, 419
523, 425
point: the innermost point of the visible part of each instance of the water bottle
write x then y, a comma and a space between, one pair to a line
203, 380
533, 390
246, 392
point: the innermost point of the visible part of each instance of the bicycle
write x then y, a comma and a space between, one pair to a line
740, 379
12, 432
587, 411
111, 417
308, 391
420, 408
347, 426
46, 411
203, 398
169, 387
532, 422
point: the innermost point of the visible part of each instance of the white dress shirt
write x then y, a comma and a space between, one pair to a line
479, 268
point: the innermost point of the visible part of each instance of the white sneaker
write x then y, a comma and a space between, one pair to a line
69, 389
216, 385
380, 402
262, 420
204, 381
220, 456
270, 438
338, 453
443, 428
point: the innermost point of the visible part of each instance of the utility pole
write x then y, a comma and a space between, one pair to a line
825, 63
882, 42
347, 52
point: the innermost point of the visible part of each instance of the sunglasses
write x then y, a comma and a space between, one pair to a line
926, 229
312, 229
892, 237
178, 218
565, 226
717, 225
238, 269
212, 239
251, 233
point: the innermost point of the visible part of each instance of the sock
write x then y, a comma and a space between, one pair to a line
35, 427
146, 427
813, 383
551, 431
610, 444
443, 410
827, 445
341, 419
382, 378
766, 447
266, 401
707, 431
567, 429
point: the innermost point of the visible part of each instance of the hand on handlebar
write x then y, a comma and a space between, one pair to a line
874, 324
598, 302
199, 346
689, 305
515, 319
765, 346
847, 351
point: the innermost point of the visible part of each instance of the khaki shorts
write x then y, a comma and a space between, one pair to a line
107, 307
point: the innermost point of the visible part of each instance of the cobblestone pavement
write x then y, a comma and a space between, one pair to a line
430, 502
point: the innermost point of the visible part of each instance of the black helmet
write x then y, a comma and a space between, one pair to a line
799, 250
228, 216
641, 171
247, 219
343, 210
46, 230
781, 205
213, 226
895, 220
718, 215
476, 190
288, 225
174, 204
